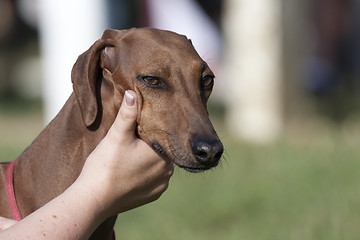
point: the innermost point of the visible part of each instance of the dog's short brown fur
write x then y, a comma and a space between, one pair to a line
173, 85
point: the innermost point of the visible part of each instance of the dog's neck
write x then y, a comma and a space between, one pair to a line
51, 164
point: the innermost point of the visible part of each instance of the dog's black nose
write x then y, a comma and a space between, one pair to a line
207, 152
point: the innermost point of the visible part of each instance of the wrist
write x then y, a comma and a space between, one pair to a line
93, 197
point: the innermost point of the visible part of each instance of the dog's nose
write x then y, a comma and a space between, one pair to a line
207, 152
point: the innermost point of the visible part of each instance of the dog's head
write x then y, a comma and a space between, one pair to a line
172, 83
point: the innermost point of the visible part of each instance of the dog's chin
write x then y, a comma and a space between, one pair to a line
194, 169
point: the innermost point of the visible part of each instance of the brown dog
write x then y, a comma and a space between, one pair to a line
173, 85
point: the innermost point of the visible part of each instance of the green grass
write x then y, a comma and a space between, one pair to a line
305, 186
276, 192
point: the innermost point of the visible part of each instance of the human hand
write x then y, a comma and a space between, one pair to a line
123, 171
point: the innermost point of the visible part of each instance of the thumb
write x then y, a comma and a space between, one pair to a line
125, 121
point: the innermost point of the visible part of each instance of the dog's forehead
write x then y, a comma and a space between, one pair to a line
154, 48
157, 35
152, 40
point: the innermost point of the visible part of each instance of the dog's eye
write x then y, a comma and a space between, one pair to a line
153, 81
207, 82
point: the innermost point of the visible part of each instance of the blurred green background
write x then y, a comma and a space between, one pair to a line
304, 186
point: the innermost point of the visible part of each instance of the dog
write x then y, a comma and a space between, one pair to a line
173, 85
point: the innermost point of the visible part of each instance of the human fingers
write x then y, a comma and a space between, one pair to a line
125, 122
147, 186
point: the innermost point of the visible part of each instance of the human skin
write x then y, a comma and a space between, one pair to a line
124, 180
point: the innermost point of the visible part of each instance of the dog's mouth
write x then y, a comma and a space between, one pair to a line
193, 168
159, 149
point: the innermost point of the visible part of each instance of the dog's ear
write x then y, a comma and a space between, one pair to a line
84, 76
87, 73
109, 56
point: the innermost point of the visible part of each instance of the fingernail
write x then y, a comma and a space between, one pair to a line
129, 99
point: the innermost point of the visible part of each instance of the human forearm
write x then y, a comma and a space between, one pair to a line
65, 217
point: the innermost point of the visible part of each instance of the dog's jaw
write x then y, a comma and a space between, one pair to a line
197, 170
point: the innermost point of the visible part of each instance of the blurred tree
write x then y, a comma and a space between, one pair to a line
334, 57
17, 40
